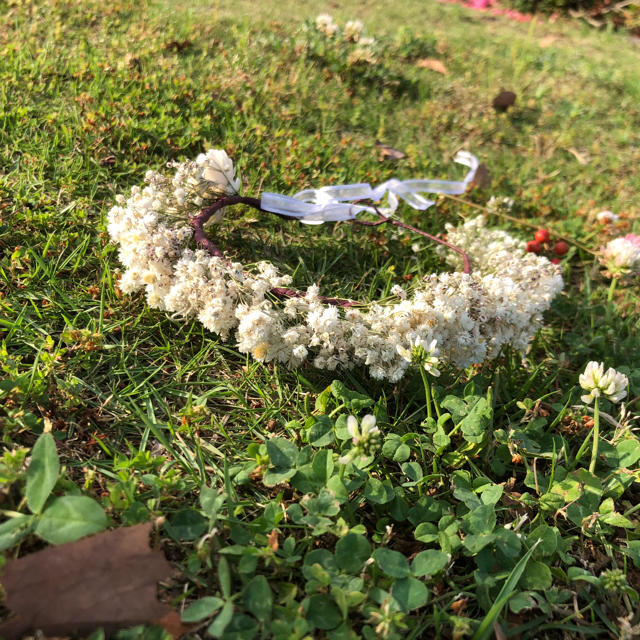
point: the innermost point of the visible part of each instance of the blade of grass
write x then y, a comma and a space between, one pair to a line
507, 591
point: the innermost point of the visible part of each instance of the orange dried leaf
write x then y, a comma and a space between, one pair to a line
434, 65
547, 41
272, 538
458, 606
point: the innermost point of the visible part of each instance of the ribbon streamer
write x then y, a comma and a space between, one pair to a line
339, 202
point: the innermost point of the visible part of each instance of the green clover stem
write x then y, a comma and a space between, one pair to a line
596, 436
610, 292
427, 391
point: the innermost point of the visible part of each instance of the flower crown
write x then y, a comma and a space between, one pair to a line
463, 317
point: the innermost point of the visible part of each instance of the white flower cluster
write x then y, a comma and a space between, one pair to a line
622, 255
468, 318
610, 384
500, 204
362, 55
325, 24
352, 32
607, 217
422, 354
365, 438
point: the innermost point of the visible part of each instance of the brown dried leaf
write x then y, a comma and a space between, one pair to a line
108, 580
434, 65
504, 100
133, 62
389, 153
482, 179
177, 45
581, 158
499, 633
172, 623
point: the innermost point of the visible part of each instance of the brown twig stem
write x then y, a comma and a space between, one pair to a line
203, 240
465, 257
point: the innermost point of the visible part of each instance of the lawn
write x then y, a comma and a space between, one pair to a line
482, 508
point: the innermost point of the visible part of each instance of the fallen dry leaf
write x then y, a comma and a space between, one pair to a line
133, 62
547, 41
499, 633
172, 624
108, 580
504, 100
389, 153
458, 606
272, 539
434, 65
482, 179
177, 45
581, 158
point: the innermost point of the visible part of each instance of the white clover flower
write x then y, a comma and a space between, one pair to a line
352, 30
622, 255
429, 365
366, 429
634, 239
607, 217
365, 438
326, 25
421, 353
610, 384
498, 204
362, 55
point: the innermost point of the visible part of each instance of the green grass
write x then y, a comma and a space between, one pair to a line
145, 410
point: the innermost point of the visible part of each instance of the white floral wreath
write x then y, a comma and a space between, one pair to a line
464, 317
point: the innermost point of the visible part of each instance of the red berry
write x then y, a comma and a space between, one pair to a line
542, 235
534, 246
560, 248
555, 261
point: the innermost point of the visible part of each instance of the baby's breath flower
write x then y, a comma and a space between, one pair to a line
610, 384
471, 316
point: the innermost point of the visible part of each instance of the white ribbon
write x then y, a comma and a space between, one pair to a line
333, 203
